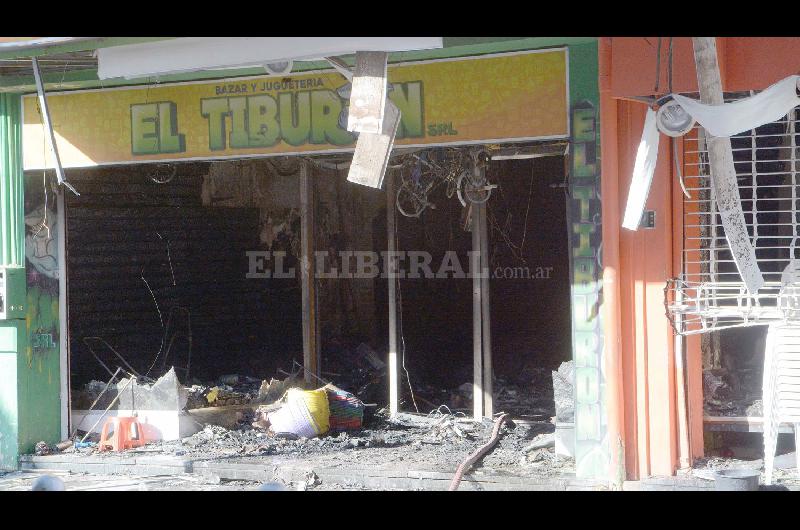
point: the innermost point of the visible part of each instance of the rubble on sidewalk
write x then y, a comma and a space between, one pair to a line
543, 441
311, 481
245, 417
415, 440
43, 448
445, 427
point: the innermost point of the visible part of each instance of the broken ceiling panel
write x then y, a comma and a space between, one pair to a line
372, 151
368, 93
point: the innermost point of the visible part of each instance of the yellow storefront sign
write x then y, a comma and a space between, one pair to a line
504, 97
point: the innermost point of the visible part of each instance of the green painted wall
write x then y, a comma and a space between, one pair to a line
591, 444
12, 252
11, 219
38, 367
30, 401
38, 372
10, 332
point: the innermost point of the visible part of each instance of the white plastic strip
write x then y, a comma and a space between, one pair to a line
746, 114
643, 170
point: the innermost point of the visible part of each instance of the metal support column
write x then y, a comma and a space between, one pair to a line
392, 248
63, 322
310, 344
486, 321
477, 325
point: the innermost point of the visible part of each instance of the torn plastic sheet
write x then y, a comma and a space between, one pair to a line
729, 119
643, 169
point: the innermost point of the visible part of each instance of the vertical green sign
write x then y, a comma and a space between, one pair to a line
585, 237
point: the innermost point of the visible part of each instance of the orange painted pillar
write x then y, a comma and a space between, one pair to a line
646, 262
659, 435
611, 305
646, 336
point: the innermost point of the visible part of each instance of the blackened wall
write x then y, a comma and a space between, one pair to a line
530, 294
530, 291
128, 235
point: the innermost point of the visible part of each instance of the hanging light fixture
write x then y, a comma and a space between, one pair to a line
279, 68
673, 120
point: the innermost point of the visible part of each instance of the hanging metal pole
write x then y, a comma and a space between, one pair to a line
48, 126
63, 340
391, 219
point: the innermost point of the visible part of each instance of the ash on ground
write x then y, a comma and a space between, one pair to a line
436, 442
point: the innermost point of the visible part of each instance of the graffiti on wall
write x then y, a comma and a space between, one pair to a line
591, 445
41, 264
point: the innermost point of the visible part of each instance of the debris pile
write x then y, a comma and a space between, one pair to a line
446, 428
564, 392
226, 391
43, 448
357, 369
221, 396
528, 395
275, 389
729, 394
82, 398
284, 417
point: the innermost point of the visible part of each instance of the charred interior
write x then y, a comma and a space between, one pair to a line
159, 276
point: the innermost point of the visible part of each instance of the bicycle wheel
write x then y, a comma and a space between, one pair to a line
409, 203
474, 192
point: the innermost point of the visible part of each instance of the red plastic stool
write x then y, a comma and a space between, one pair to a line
127, 433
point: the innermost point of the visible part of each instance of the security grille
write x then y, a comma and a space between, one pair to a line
710, 294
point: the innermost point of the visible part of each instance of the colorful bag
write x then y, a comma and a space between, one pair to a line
347, 411
305, 413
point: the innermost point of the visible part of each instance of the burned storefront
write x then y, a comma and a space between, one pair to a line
216, 253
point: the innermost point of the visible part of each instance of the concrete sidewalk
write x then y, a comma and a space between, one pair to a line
257, 470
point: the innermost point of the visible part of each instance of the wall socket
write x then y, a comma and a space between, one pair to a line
648, 219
